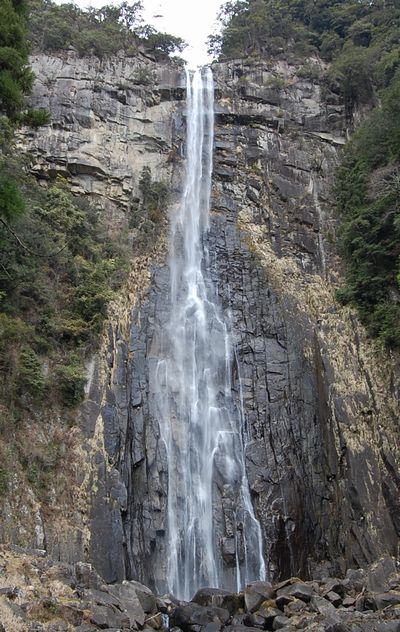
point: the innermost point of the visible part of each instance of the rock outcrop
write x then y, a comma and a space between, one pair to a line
320, 400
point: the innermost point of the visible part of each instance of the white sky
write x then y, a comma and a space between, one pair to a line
193, 20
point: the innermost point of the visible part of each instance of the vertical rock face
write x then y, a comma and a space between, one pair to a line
320, 400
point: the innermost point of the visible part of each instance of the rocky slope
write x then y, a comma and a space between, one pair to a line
320, 400
38, 595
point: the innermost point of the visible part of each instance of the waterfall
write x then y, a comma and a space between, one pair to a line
201, 423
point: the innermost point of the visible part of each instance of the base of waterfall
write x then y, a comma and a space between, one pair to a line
39, 594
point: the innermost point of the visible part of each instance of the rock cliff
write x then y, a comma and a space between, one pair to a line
320, 399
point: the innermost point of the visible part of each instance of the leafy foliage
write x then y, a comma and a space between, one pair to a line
70, 381
368, 190
15, 74
12, 202
148, 213
36, 118
100, 32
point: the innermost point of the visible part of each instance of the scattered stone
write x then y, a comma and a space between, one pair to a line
280, 622
348, 602
294, 607
106, 617
338, 586
334, 598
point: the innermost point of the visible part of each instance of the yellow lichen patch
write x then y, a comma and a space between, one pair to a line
360, 370
9, 621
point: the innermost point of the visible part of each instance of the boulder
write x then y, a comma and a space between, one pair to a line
233, 602
380, 574
192, 614
145, 596
87, 577
383, 600
129, 600
255, 593
299, 590
106, 617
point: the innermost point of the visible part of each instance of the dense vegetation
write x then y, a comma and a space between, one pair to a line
58, 271
361, 40
15, 75
368, 189
100, 32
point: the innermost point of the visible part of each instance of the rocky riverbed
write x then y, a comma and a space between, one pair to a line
38, 594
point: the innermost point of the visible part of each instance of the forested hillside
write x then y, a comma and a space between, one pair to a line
361, 42
101, 32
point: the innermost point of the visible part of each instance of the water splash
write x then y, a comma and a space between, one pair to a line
200, 424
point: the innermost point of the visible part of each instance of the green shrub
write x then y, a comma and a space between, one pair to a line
144, 76
4, 481
70, 381
30, 374
277, 83
36, 118
310, 71
12, 203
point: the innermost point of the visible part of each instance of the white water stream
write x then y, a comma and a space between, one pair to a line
201, 425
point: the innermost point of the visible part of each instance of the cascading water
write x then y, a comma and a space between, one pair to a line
200, 424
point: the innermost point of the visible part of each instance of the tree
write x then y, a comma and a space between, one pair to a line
15, 74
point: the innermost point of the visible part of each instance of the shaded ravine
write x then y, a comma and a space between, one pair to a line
200, 424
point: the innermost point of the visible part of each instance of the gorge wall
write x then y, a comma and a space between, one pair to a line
320, 400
